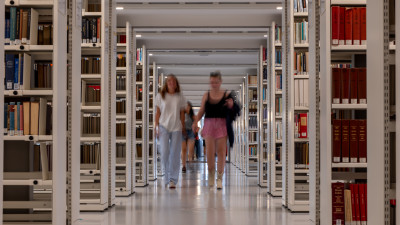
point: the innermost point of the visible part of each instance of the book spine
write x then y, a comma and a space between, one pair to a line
5, 131
18, 28
335, 24
354, 141
362, 140
17, 119
98, 30
21, 119
345, 140
303, 125
10, 70
336, 140
345, 87
337, 203
28, 41
362, 86
363, 25
356, 26
12, 119
349, 26
84, 30
16, 73
336, 85
21, 71
342, 16
7, 30
13, 24
353, 85
357, 204
363, 210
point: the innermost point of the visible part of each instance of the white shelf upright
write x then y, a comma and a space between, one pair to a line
263, 115
152, 89
397, 94
160, 166
252, 146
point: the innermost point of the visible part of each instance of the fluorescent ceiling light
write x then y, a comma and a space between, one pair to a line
119, 8
138, 35
150, 54
265, 35
279, 8
158, 67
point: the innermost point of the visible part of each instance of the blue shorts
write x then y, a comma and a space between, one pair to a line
190, 135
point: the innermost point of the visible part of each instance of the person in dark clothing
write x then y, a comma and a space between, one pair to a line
232, 115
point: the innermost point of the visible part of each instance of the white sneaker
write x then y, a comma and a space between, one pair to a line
172, 185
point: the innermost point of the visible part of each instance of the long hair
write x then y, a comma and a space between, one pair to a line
191, 113
165, 86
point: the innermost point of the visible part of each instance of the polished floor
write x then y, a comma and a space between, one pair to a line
240, 202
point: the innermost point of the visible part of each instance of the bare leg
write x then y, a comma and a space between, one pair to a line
184, 153
221, 152
210, 143
190, 144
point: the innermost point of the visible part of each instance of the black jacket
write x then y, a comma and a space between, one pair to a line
232, 115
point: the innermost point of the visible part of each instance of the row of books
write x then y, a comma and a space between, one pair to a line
278, 34
349, 141
301, 93
91, 123
253, 136
253, 123
265, 114
300, 6
139, 113
42, 159
253, 108
301, 157
300, 123
278, 82
139, 94
18, 74
93, 94
28, 118
349, 203
139, 130
90, 154
265, 132
265, 73
278, 57
253, 150
300, 63
91, 30
278, 106
121, 60
264, 94
121, 38
120, 150
265, 54
22, 26
278, 153
92, 6
349, 85
253, 80
91, 65
278, 130
121, 128
139, 55
349, 25
253, 94
300, 32
121, 82
139, 152
139, 75
121, 105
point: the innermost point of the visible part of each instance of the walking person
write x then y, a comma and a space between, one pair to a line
215, 105
188, 140
170, 126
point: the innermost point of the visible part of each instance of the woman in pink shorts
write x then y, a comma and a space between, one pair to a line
215, 105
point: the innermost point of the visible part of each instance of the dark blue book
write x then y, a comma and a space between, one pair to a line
12, 119
5, 119
7, 29
16, 73
9, 71
13, 24
21, 74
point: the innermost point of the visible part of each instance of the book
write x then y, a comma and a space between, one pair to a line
345, 86
354, 86
356, 26
27, 116
335, 14
336, 78
303, 125
363, 209
342, 16
5, 132
338, 206
348, 207
362, 86
7, 29
354, 141
345, 140
11, 130
362, 141
9, 71
357, 204
336, 141
349, 26
34, 118
353, 204
363, 25
16, 73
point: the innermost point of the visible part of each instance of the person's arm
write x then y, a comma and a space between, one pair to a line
182, 112
202, 108
158, 114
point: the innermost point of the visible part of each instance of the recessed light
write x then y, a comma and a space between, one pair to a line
158, 67
138, 35
279, 8
244, 77
119, 8
265, 35
150, 54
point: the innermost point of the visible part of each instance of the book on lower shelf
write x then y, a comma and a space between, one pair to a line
301, 158
349, 25
300, 32
91, 124
300, 6
90, 156
253, 150
278, 34
91, 30
301, 92
253, 80
121, 128
121, 82
278, 57
121, 60
301, 124
91, 65
121, 105
28, 118
349, 86
349, 203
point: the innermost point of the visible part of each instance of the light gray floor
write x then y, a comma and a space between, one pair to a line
240, 202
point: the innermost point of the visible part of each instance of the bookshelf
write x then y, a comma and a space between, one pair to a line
396, 109
239, 145
263, 164
152, 87
340, 130
295, 180
160, 167
142, 132
98, 107
275, 112
33, 186
125, 83
252, 131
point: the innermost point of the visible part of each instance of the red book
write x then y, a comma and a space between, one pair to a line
353, 141
336, 85
345, 140
363, 28
348, 26
362, 140
362, 86
366, 201
342, 25
337, 140
345, 87
263, 54
357, 203
123, 38
353, 86
337, 203
353, 203
303, 125
98, 30
363, 209
335, 24
356, 26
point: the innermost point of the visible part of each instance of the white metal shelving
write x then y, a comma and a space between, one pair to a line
263, 98
152, 87
251, 163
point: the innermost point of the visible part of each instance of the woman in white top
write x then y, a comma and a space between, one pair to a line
170, 125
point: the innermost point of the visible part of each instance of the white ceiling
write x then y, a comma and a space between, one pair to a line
191, 38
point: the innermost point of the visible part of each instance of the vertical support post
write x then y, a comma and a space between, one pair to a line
2, 75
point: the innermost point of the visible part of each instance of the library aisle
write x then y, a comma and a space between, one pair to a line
193, 202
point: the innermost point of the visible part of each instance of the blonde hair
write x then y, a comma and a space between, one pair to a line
165, 86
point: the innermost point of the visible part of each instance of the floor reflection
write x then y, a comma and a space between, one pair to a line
193, 203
